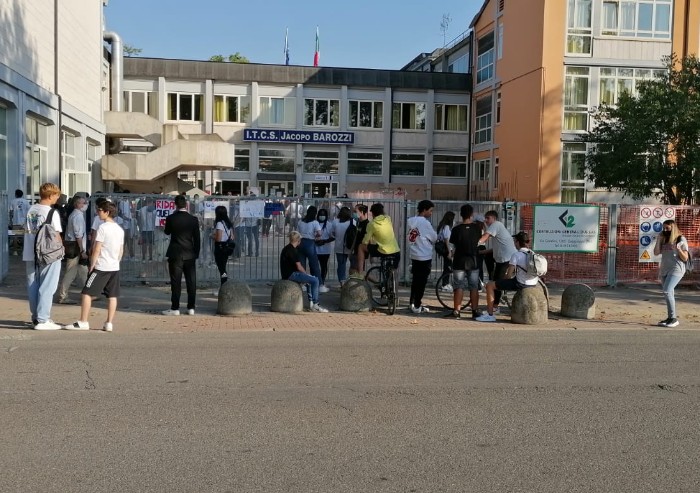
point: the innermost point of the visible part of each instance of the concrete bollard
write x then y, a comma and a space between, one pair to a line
356, 296
287, 297
235, 298
529, 307
578, 301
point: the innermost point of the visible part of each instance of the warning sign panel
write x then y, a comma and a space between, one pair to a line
651, 220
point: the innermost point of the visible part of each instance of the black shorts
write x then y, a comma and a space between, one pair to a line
100, 282
147, 237
509, 284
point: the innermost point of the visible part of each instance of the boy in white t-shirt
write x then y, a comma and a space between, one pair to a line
42, 280
103, 272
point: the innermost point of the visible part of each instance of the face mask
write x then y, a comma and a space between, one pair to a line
84, 208
322, 218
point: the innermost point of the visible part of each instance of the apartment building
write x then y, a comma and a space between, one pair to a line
289, 130
54, 85
540, 66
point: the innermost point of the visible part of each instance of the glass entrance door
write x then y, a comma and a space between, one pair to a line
322, 189
277, 188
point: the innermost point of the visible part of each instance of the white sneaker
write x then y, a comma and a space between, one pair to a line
447, 288
323, 288
496, 310
171, 313
315, 307
77, 326
485, 318
215, 293
420, 309
47, 326
190, 311
108, 327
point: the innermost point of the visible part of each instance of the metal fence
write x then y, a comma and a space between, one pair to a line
4, 219
260, 241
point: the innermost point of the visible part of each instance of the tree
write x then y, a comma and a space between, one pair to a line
235, 58
648, 145
131, 50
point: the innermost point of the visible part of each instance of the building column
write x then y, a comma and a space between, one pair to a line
430, 142
386, 151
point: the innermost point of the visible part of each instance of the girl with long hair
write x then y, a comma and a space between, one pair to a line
222, 232
338, 230
444, 230
324, 247
310, 231
673, 248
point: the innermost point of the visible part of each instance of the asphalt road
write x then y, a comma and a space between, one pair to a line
355, 411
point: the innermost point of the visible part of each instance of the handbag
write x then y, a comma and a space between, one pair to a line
230, 244
441, 248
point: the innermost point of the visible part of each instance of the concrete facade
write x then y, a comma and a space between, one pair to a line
427, 158
52, 74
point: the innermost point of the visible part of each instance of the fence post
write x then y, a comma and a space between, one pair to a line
403, 243
613, 219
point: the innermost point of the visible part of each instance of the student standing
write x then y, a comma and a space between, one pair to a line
103, 272
503, 249
42, 280
76, 249
182, 254
324, 248
465, 238
222, 233
673, 248
18, 217
339, 229
421, 238
310, 231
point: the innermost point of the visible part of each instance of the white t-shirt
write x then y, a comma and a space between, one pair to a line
503, 246
225, 235
519, 260
36, 215
147, 218
308, 230
19, 207
111, 235
421, 238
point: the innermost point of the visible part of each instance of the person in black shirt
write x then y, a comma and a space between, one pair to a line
361, 220
292, 270
465, 237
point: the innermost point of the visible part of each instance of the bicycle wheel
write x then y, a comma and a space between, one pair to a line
374, 278
446, 298
392, 294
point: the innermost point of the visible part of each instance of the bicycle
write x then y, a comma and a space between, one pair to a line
446, 299
382, 280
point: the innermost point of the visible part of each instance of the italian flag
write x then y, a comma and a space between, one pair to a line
317, 53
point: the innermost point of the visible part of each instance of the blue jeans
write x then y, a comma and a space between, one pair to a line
312, 281
41, 286
252, 236
239, 233
341, 259
668, 284
307, 250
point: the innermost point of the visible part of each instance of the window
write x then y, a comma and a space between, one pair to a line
484, 60
3, 148
498, 107
482, 170
231, 109
496, 166
409, 116
408, 164
637, 18
277, 111
364, 163
499, 47
322, 112
323, 162
366, 114
451, 117
141, 102
615, 81
241, 160
276, 160
36, 155
460, 65
501, 5
578, 32
482, 128
185, 107
449, 165
573, 185
68, 150
576, 98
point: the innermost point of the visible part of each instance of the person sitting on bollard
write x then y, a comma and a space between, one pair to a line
292, 270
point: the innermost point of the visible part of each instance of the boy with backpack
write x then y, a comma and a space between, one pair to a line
42, 254
524, 269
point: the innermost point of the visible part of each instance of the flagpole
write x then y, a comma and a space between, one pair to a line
317, 53
286, 47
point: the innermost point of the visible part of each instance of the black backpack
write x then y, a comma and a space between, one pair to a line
350, 236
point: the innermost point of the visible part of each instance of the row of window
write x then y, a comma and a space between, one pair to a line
624, 18
613, 82
282, 111
359, 163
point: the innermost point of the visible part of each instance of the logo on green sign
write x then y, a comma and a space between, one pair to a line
567, 220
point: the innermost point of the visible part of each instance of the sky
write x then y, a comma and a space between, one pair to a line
385, 34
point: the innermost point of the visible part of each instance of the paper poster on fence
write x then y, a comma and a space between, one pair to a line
211, 205
651, 220
566, 228
252, 208
163, 209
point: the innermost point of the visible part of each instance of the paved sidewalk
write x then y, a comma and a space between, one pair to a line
637, 307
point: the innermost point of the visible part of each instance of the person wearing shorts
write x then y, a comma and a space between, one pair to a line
465, 275
103, 272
